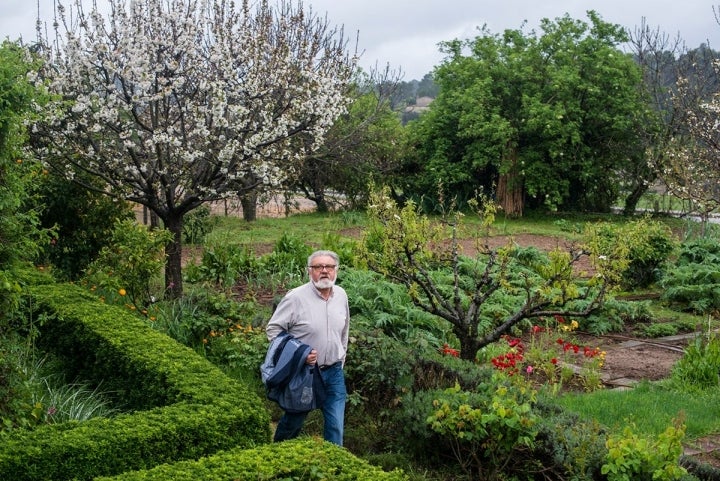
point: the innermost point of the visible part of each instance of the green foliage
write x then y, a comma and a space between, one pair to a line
346, 249
699, 367
83, 220
301, 459
615, 314
386, 388
289, 255
632, 457
239, 349
553, 114
646, 244
197, 225
199, 317
693, 282
21, 238
660, 329
223, 263
574, 446
376, 303
486, 429
129, 263
182, 407
481, 297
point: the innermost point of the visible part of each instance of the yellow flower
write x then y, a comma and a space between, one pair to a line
122, 292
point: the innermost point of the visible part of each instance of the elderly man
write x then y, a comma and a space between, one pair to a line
317, 313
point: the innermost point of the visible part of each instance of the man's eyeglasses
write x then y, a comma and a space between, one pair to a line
320, 267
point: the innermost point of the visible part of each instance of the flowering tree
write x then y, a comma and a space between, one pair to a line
173, 103
692, 168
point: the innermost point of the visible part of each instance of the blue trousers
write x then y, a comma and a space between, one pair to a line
333, 410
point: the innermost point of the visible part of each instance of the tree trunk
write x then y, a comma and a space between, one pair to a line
248, 200
321, 202
510, 188
633, 198
510, 194
173, 254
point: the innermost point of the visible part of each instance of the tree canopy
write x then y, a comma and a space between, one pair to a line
176, 103
540, 120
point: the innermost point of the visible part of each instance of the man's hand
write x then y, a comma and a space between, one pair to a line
312, 357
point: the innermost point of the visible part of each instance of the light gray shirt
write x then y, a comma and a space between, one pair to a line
323, 325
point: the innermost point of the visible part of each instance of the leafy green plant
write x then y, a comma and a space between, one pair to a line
486, 430
197, 317
83, 220
21, 238
239, 349
197, 224
693, 282
632, 457
575, 446
649, 244
699, 367
289, 255
223, 263
128, 265
63, 402
660, 329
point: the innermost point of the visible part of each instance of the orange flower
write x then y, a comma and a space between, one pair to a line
122, 292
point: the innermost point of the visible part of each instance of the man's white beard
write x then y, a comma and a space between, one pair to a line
324, 283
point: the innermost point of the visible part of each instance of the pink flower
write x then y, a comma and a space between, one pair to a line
529, 369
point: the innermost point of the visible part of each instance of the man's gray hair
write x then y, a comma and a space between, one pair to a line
332, 254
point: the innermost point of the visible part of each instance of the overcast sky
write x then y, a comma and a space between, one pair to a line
405, 34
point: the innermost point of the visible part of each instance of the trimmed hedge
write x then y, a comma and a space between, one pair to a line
305, 459
182, 406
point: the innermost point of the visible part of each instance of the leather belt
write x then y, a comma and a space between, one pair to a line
322, 368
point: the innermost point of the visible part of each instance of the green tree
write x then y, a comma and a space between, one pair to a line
360, 148
539, 120
170, 111
20, 237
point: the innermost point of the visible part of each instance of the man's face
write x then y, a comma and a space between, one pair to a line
323, 272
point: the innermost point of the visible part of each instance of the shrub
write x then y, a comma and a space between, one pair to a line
21, 238
128, 265
197, 224
569, 446
699, 366
632, 457
649, 244
83, 220
693, 282
487, 429
223, 264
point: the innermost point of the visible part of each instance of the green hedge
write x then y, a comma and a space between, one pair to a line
182, 407
304, 459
